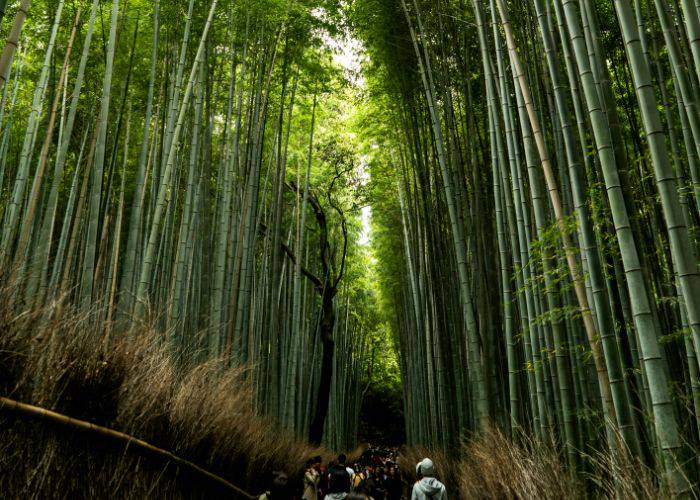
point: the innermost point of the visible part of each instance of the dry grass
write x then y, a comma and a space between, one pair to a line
623, 476
57, 359
495, 467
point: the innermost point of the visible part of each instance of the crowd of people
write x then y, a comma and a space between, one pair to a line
374, 476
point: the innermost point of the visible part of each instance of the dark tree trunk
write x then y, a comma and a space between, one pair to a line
327, 287
328, 351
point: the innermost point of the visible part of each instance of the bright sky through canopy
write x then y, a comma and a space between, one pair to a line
348, 54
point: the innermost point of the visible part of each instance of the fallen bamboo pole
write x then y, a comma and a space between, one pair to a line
37, 412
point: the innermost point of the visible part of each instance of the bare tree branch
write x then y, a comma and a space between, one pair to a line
318, 283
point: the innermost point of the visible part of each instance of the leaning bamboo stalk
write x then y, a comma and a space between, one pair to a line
36, 412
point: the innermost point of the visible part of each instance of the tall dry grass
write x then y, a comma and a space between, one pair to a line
494, 467
57, 358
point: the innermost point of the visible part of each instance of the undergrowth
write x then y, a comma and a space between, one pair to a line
57, 358
495, 467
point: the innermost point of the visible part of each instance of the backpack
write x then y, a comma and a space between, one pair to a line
358, 480
339, 481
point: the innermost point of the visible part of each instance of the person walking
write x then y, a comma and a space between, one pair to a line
427, 487
339, 480
312, 478
323, 481
380, 482
279, 487
394, 487
358, 478
342, 458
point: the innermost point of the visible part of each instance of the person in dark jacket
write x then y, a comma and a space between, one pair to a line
394, 486
279, 487
380, 478
339, 480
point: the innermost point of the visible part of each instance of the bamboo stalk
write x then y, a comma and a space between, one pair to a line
38, 413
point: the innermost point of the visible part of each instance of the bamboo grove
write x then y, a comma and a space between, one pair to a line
202, 167
540, 246
181, 164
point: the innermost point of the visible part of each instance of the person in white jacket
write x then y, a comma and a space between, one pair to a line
427, 487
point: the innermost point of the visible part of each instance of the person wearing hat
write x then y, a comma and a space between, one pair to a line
427, 487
